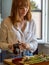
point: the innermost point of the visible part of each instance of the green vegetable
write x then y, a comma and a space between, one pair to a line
36, 59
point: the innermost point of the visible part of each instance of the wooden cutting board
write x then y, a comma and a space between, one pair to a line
9, 62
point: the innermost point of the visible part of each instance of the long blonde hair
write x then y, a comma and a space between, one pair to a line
14, 10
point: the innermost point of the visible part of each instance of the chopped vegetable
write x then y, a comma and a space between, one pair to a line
34, 59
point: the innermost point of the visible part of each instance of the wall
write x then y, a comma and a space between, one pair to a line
6, 8
43, 49
0, 6
48, 23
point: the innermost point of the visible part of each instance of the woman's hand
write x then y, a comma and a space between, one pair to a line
24, 46
10, 46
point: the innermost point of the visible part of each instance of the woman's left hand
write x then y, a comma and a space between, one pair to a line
25, 45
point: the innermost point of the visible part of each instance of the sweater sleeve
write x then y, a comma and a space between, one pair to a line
3, 36
31, 39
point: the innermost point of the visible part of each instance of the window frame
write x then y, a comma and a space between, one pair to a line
44, 16
44, 22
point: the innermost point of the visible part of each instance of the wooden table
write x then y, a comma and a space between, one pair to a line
9, 62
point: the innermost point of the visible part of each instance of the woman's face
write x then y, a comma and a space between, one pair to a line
23, 11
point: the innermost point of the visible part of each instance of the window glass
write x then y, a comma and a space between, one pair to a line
36, 10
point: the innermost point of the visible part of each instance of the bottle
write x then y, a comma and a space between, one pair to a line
16, 49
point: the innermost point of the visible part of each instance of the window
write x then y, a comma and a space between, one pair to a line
38, 10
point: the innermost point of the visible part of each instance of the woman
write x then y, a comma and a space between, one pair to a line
19, 26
